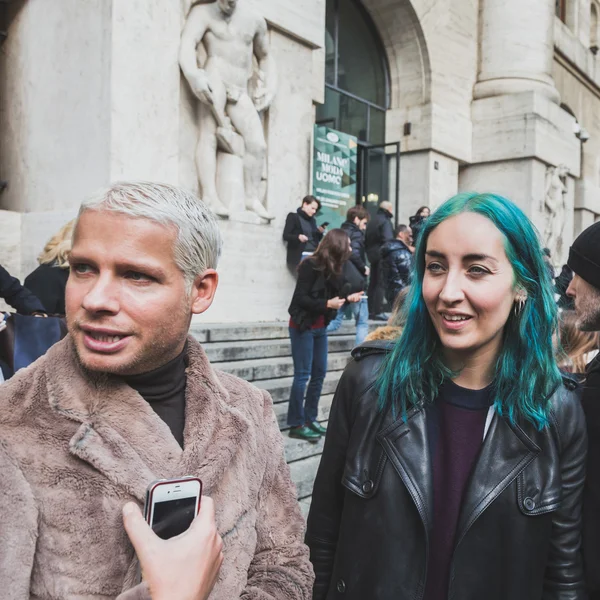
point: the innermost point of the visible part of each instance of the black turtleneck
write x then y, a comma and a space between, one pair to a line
164, 390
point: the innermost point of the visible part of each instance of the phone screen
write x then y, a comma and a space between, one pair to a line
173, 517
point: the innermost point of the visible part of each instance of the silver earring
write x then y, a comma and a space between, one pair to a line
519, 305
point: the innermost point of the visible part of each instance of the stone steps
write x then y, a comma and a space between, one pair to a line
261, 353
238, 350
299, 450
281, 409
250, 331
280, 388
272, 368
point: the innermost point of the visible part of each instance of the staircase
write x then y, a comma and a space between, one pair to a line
261, 353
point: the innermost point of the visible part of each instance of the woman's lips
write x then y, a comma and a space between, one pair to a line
455, 322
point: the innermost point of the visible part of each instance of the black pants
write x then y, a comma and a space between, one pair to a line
375, 291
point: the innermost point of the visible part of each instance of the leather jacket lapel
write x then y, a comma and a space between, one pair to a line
506, 452
407, 448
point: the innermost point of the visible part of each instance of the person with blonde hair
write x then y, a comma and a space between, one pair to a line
576, 347
392, 330
49, 281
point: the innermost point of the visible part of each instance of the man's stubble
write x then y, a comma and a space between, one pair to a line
587, 307
162, 348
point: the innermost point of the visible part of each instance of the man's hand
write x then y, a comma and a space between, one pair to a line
184, 567
302, 238
336, 303
322, 229
355, 297
201, 88
367, 271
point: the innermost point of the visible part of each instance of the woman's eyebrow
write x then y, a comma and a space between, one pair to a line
467, 257
477, 256
435, 254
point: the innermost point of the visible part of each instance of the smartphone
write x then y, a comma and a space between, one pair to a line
172, 504
325, 224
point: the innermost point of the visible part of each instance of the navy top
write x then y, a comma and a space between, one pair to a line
455, 428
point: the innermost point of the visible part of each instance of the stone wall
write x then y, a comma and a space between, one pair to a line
92, 93
576, 72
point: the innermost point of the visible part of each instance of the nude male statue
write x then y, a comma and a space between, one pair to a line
232, 35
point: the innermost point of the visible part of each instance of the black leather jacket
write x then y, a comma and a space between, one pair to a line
518, 535
396, 262
591, 496
313, 290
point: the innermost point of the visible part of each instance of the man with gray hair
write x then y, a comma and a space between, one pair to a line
127, 398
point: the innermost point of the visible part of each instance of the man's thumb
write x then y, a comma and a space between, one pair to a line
141, 535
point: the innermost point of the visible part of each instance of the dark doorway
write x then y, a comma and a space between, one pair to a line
378, 176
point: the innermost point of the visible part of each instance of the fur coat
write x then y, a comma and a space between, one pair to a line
73, 450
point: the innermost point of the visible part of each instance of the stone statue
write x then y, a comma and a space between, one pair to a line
233, 92
554, 207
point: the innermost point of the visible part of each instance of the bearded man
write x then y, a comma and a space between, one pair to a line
584, 260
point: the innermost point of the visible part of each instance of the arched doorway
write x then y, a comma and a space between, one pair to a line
356, 73
357, 95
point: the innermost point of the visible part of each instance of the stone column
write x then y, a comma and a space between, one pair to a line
517, 48
519, 129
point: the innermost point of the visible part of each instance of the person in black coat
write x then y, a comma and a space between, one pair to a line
355, 272
396, 262
379, 231
301, 231
17, 296
417, 220
357, 219
49, 281
584, 289
319, 294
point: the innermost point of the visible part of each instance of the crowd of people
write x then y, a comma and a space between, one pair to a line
458, 437
334, 269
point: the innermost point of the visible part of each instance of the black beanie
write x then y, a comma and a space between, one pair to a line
584, 255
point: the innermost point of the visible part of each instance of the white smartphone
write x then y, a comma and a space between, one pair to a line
172, 504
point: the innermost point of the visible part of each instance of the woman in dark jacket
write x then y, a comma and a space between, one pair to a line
416, 222
49, 281
318, 295
454, 460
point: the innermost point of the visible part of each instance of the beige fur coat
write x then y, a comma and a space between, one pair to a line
73, 451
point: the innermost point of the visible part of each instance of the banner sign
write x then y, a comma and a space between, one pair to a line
334, 174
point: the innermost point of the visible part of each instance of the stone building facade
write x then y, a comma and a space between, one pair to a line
487, 95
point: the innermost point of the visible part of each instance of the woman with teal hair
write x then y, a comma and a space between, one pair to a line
454, 460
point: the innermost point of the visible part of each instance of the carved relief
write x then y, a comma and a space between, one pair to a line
236, 83
554, 208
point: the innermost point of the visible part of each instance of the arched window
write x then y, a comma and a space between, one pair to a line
561, 10
356, 73
594, 28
